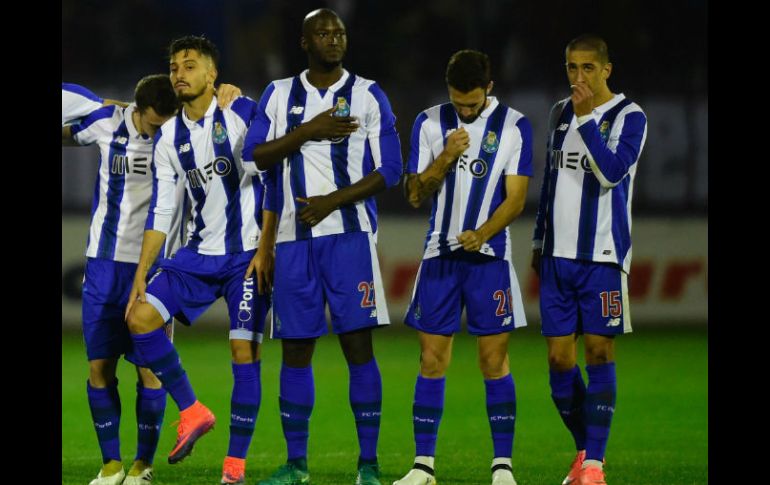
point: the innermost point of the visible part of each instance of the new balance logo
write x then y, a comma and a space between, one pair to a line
184, 148
614, 322
507, 321
122, 140
562, 127
296, 110
373, 314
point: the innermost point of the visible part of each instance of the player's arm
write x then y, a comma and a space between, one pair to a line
263, 262
321, 127
380, 126
506, 212
226, 94
159, 217
609, 166
66, 137
422, 185
110, 102
318, 207
93, 128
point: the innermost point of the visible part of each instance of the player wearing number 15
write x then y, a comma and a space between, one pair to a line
473, 157
582, 246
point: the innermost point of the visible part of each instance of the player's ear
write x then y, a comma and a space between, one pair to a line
490, 86
303, 43
607, 70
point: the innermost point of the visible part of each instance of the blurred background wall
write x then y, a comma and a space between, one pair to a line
659, 55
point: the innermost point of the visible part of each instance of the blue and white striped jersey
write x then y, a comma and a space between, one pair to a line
226, 197
323, 166
585, 200
77, 102
123, 186
500, 145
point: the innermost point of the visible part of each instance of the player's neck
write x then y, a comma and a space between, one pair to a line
196, 108
322, 77
136, 119
602, 97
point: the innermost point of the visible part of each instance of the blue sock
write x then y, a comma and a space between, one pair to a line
599, 407
150, 406
427, 410
159, 354
244, 406
296, 404
568, 393
105, 411
365, 394
501, 410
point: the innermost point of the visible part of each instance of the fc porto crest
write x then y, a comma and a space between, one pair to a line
219, 133
491, 143
604, 130
343, 108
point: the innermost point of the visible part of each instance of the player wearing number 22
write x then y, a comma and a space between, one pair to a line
473, 157
582, 246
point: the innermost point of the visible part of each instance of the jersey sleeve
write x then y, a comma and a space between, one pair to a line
261, 129
520, 162
420, 153
164, 186
383, 137
77, 102
95, 127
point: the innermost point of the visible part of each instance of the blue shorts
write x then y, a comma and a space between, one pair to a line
187, 284
583, 297
486, 286
341, 270
106, 287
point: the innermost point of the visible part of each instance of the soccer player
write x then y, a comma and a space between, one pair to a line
582, 246
329, 140
201, 146
122, 198
473, 157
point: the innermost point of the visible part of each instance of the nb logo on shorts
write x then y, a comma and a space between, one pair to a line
507, 321
614, 322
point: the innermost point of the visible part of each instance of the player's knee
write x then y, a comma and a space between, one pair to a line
598, 356
244, 351
433, 363
101, 372
561, 361
142, 318
297, 352
493, 365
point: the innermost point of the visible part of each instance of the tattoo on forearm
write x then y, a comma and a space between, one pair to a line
421, 190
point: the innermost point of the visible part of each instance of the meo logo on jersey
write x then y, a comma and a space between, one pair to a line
221, 166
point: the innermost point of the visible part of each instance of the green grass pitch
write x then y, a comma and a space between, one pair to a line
659, 433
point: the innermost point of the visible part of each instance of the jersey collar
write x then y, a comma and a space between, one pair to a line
493, 102
128, 116
209, 112
603, 108
333, 88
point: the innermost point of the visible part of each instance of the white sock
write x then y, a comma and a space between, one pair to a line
424, 460
595, 463
501, 461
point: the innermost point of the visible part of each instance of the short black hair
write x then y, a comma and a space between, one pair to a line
590, 42
467, 70
155, 91
200, 44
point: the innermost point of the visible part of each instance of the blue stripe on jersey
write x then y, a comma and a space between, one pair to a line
150, 221
297, 97
245, 108
621, 234
589, 205
182, 224
95, 199
525, 157
231, 182
448, 118
116, 167
558, 141
479, 184
414, 144
367, 165
339, 158
77, 89
194, 177
497, 198
93, 117
390, 146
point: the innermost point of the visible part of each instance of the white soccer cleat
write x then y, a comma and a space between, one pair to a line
115, 479
144, 478
416, 477
503, 477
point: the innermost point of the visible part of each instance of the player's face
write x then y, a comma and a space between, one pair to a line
191, 74
468, 105
151, 121
586, 67
326, 40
